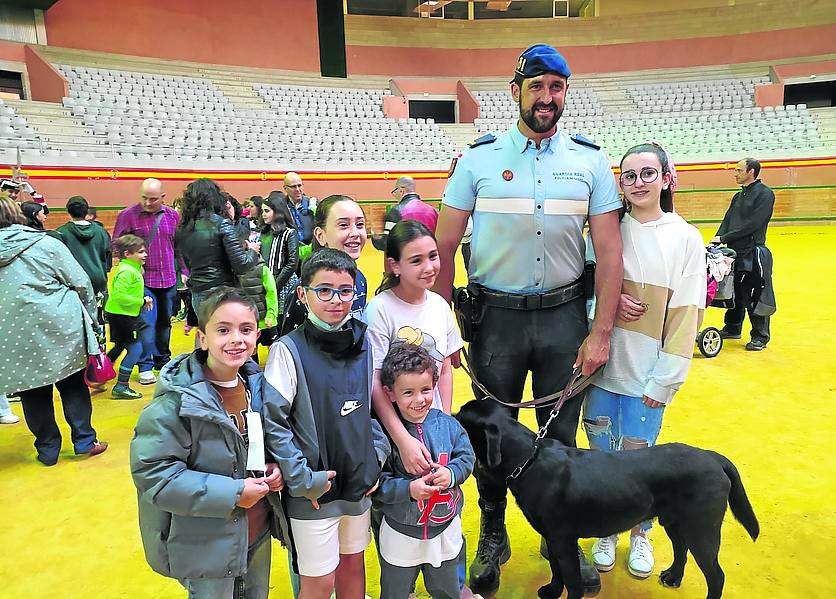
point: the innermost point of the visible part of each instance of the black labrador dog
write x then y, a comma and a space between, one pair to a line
567, 493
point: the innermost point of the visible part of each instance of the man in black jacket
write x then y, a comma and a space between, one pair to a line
743, 229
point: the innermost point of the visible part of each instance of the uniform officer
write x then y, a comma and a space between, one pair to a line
530, 191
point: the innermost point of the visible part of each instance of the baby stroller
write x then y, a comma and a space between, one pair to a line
719, 294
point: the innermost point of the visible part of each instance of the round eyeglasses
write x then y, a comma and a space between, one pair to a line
326, 294
648, 174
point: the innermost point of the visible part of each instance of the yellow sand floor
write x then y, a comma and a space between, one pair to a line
70, 531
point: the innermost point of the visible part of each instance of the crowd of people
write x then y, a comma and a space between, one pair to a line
347, 431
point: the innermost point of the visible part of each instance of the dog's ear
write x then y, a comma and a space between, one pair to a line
493, 438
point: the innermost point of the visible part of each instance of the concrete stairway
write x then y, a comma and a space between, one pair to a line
826, 123
56, 126
460, 134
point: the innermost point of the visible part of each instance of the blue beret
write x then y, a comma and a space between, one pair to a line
539, 59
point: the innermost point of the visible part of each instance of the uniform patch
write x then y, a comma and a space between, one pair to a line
507, 175
452, 167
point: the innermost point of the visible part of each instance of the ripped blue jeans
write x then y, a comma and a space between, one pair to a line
615, 422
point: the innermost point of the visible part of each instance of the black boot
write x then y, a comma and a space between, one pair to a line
589, 573
493, 549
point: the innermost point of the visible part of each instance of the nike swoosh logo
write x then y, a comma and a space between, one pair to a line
349, 407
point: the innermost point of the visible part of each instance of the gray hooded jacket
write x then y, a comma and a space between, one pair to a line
43, 293
188, 462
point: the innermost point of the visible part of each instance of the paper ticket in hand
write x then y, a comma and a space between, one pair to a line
255, 451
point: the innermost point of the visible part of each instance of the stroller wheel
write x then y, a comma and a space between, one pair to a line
710, 342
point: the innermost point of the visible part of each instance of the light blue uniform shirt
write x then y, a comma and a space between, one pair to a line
529, 208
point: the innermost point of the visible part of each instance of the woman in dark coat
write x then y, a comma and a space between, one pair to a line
208, 243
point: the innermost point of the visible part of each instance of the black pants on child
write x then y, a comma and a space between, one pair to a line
397, 582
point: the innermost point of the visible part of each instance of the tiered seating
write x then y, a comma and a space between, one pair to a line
721, 94
15, 132
349, 125
691, 119
154, 116
500, 104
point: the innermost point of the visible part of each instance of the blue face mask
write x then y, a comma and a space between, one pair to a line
324, 326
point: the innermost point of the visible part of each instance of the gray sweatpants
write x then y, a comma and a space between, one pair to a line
397, 582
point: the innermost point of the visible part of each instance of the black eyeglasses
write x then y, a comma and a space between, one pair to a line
648, 175
326, 294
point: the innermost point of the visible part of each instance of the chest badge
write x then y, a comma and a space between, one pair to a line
507, 175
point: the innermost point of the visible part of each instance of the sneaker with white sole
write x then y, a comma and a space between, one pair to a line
640, 561
147, 377
9, 419
603, 553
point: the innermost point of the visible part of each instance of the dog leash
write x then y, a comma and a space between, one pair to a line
577, 382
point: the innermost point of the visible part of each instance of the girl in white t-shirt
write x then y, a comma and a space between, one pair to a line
404, 310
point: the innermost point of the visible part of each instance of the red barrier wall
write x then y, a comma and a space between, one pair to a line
57, 184
480, 62
45, 82
12, 51
769, 94
278, 34
395, 107
804, 69
468, 106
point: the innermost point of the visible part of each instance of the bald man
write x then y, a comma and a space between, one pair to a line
156, 223
300, 207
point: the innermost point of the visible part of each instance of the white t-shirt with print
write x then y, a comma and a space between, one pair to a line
429, 324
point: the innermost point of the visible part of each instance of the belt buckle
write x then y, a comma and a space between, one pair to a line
533, 302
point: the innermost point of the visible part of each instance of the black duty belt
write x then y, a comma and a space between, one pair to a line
549, 299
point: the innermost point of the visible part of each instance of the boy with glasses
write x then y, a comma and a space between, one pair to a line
321, 432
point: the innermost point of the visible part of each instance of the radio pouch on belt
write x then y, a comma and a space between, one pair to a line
589, 280
464, 307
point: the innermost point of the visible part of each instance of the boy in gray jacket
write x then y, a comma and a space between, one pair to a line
207, 501
421, 529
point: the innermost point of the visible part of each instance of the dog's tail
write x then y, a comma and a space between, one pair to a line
738, 500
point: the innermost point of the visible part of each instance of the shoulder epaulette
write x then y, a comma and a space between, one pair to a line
480, 141
580, 139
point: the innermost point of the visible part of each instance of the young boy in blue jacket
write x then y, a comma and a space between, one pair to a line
207, 502
421, 529
321, 432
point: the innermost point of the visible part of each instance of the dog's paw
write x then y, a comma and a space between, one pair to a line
549, 591
669, 578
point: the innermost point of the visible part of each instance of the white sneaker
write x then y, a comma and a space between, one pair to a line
603, 553
147, 378
9, 419
640, 561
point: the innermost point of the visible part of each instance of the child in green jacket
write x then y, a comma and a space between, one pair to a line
268, 325
126, 300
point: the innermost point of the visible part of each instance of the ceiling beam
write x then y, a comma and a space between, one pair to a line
430, 6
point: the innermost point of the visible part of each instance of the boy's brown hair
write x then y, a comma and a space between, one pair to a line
406, 358
128, 244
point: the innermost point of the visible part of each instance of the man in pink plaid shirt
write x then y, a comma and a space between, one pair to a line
151, 219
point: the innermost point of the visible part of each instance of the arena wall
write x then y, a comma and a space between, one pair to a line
260, 33
282, 34
804, 188
604, 57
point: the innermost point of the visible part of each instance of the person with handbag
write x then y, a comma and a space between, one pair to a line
208, 244
47, 339
124, 306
